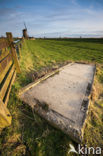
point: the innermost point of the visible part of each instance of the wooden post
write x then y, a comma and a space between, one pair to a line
19, 47
13, 51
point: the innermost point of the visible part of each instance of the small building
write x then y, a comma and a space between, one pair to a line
31, 38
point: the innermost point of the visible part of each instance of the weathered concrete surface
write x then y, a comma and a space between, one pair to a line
62, 99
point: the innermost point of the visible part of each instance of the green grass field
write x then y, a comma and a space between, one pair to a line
29, 134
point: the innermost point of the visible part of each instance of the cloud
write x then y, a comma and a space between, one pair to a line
72, 34
68, 18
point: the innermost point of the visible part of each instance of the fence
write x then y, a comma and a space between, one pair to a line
9, 66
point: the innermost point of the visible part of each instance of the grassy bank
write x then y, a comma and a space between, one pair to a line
31, 135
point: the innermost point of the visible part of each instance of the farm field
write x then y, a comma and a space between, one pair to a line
31, 135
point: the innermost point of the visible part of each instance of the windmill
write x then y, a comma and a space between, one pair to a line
25, 35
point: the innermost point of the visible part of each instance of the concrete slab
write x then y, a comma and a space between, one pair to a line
62, 98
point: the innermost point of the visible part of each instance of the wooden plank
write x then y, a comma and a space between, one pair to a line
5, 62
3, 53
3, 44
13, 51
12, 81
5, 116
6, 83
4, 66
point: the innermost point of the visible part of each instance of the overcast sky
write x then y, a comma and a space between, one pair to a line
52, 18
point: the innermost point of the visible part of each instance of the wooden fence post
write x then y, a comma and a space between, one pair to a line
19, 47
13, 51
